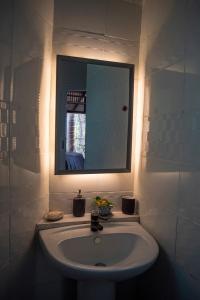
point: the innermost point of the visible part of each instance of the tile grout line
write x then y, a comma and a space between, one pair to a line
98, 34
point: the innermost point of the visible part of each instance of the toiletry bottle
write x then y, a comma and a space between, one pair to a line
79, 205
128, 205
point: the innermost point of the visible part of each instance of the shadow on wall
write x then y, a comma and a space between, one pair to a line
25, 140
32, 277
171, 146
171, 121
172, 132
22, 268
165, 281
153, 279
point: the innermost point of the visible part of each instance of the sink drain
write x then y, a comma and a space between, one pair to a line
99, 264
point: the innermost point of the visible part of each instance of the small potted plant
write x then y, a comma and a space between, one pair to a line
104, 206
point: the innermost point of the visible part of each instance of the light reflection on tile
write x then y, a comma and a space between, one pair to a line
168, 180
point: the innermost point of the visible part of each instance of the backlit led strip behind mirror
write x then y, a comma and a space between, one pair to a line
94, 102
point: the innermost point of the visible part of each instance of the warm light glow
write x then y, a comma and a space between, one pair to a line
138, 119
139, 125
91, 46
44, 102
85, 48
91, 182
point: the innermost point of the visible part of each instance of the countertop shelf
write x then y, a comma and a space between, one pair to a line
69, 220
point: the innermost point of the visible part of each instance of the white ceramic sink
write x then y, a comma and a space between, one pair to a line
121, 251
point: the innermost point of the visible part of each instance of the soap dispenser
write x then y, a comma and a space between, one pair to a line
79, 205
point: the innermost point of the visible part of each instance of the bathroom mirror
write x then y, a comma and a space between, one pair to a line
94, 102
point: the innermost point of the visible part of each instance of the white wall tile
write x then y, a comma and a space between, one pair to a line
162, 15
5, 62
91, 182
189, 206
23, 175
44, 8
123, 20
187, 286
168, 179
80, 15
64, 201
31, 36
6, 21
163, 196
4, 282
68, 42
162, 225
188, 247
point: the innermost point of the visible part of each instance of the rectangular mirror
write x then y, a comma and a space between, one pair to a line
94, 101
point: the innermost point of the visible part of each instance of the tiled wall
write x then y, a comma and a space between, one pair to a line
87, 29
105, 30
25, 60
5, 65
167, 182
64, 201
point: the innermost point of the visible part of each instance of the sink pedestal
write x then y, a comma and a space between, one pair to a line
96, 289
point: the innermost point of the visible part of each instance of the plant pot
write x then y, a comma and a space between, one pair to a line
104, 211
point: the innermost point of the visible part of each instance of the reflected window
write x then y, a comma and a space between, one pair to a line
75, 133
75, 129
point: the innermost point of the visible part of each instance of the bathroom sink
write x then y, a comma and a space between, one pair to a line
121, 251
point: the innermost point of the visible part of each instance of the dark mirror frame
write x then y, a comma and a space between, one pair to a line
127, 169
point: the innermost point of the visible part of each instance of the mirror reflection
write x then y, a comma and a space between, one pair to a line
93, 116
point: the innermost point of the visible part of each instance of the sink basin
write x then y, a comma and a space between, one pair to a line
121, 251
